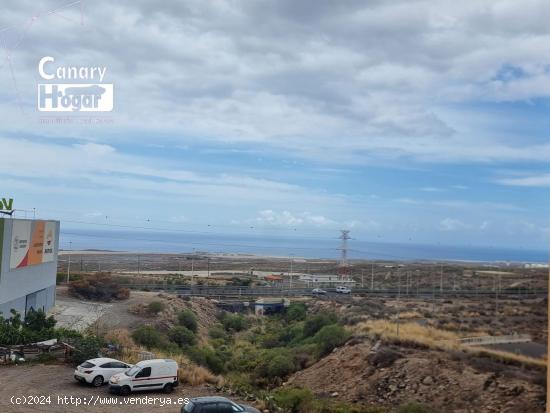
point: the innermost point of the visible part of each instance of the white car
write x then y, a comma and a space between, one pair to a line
99, 370
319, 291
343, 290
156, 374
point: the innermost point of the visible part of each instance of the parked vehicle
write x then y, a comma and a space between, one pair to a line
343, 290
99, 370
215, 404
156, 374
318, 291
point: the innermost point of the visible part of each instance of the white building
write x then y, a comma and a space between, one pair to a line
28, 264
325, 279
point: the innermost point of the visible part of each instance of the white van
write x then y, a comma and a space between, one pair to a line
343, 290
156, 374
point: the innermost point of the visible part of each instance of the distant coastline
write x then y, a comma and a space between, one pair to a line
116, 242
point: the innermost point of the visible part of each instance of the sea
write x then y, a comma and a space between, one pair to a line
285, 246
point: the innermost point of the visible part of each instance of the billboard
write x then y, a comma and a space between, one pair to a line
32, 243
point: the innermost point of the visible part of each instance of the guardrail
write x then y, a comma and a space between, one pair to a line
487, 340
245, 291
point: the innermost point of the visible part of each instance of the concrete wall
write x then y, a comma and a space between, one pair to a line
32, 285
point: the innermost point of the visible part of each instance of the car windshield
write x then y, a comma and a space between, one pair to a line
132, 372
87, 365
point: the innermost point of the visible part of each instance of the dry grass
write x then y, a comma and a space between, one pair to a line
439, 339
120, 336
188, 372
411, 332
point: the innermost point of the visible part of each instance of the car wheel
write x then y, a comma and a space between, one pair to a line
168, 388
97, 381
125, 391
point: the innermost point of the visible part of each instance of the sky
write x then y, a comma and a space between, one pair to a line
402, 121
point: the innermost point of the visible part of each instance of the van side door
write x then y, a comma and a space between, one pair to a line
142, 380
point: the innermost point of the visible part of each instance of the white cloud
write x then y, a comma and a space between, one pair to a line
542, 180
451, 224
288, 219
342, 82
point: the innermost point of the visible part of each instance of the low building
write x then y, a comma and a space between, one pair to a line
267, 306
325, 279
28, 265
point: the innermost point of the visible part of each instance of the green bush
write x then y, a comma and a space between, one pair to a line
217, 332
206, 357
294, 400
280, 366
155, 307
315, 323
330, 337
148, 336
233, 322
182, 336
296, 312
36, 327
187, 319
274, 363
86, 347
414, 408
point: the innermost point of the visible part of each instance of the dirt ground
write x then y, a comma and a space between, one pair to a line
78, 314
57, 380
379, 374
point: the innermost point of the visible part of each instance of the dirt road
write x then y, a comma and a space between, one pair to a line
57, 382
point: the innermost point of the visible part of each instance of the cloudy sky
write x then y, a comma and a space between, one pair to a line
403, 120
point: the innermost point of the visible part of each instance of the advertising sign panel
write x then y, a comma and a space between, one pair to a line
32, 243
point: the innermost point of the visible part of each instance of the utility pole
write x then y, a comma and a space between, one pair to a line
372, 276
208, 267
441, 280
69, 265
398, 300
433, 295
138, 264
362, 278
290, 273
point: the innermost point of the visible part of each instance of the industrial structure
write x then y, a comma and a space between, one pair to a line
343, 266
28, 265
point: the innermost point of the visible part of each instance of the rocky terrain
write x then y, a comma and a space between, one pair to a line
374, 373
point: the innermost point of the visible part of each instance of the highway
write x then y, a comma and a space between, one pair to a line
246, 291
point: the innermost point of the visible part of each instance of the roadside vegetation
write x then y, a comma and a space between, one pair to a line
38, 327
434, 338
98, 287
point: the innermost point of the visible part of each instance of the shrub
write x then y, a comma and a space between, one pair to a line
280, 366
86, 348
206, 357
217, 332
294, 400
182, 336
187, 319
36, 327
99, 287
148, 336
274, 363
318, 321
233, 322
296, 312
330, 337
155, 307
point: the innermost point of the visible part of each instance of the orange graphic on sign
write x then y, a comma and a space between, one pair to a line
37, 244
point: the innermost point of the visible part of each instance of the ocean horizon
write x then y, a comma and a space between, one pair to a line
278, 246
